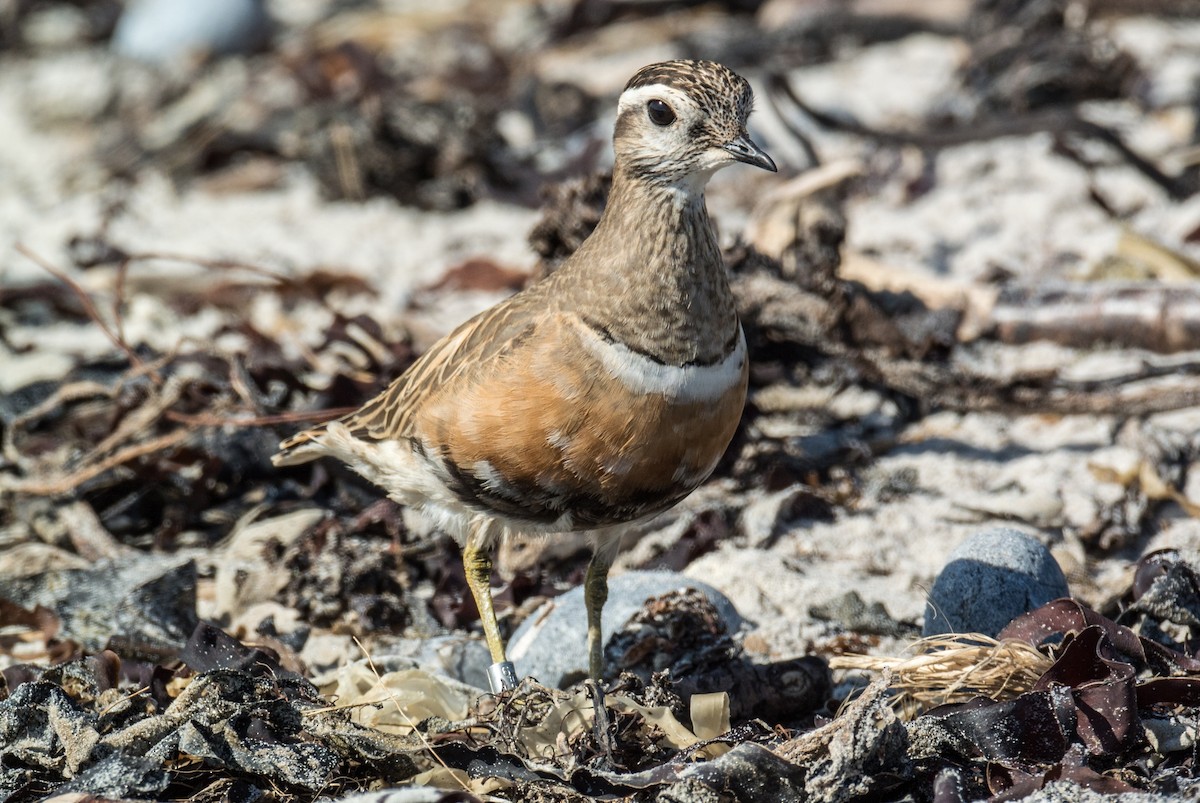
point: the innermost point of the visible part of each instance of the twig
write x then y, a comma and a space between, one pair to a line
119, 297
1055, 121
943, 387
62, 485
210, 420
88, 306
425, 741
122, 699
216, 264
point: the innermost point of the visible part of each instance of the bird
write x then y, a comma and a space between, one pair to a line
598, 396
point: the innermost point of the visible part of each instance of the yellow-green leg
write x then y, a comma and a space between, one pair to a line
595, 594
477, 565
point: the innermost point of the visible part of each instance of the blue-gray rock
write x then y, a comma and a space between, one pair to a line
164, 31
455, 656
148, 598
989, 580
551, 644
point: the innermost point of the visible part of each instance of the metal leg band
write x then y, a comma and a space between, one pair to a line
502, 676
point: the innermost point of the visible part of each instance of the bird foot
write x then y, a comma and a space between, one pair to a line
502, 676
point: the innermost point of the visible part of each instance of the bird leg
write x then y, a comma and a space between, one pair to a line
477, 565
595, 594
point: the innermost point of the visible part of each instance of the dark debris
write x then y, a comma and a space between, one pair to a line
682, 636
1026, 54
161, 452
244, 716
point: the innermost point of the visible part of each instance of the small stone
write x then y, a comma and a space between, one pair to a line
456, 656
165, 31
764, 518
59, 25
851, 612
990, 579
551, 644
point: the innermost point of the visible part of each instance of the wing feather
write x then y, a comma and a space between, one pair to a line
390, 414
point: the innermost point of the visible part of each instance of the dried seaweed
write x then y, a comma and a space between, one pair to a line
949, 669
242, 713
131, 484
1084, 715
1029, 54
681, 634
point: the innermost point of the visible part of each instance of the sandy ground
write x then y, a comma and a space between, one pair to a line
1014, 204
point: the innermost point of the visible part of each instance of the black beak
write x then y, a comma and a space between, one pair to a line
744, 150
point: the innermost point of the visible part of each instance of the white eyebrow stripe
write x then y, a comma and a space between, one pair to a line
639, 96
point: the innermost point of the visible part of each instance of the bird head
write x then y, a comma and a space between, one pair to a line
678, 122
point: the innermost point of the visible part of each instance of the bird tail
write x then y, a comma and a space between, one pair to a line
301, 447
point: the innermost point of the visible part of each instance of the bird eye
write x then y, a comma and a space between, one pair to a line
660, 113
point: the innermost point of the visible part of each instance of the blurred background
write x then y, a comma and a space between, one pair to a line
971, 296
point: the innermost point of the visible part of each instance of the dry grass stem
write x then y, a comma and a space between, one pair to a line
211, 420
62, 484
88, 305
954, 669
400, 709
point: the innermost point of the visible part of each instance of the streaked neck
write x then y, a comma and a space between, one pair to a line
655, 274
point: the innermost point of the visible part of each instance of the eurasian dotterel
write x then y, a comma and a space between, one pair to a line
598, 396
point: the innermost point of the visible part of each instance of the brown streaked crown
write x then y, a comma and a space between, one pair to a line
715, 88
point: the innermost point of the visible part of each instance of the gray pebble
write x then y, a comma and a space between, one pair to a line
990, 579
148, 598
419, 794
551, 644
164, 31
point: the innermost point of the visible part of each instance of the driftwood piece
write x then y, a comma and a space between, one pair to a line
782, 311
1159, 317
951, 345
865, 736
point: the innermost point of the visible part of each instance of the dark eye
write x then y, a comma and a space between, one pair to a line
660, 113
